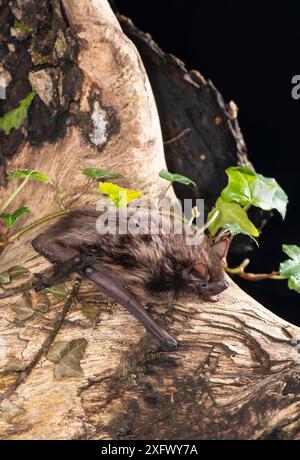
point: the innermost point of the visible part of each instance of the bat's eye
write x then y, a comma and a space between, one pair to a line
204, 284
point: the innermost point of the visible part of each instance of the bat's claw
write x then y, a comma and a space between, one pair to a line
40, 282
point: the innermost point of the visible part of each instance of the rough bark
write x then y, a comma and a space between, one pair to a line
236, 372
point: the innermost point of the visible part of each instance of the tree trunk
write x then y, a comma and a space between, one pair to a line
236, 371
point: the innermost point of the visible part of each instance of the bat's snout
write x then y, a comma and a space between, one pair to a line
212, 290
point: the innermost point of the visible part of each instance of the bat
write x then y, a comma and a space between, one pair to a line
134, 265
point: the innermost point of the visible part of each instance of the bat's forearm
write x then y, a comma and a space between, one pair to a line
128, 300
88, 267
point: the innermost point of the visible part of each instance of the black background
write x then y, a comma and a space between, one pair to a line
250, 50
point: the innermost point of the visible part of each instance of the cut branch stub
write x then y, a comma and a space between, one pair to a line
201, 132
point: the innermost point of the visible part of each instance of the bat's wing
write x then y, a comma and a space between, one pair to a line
115, 289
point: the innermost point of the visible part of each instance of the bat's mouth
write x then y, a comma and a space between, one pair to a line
212, 290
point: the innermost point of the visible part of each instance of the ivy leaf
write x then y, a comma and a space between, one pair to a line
98, 173
246, 187
238, 189
16, 117
90, 310
9, 411
57, 351
59, 292
235, 229
67, 357
231, 213
15, 365
176, 178
30, 174
15, 273
292, 250
18, 272
23, 309
119, 196
19, 275
291, 268
294, 283
4, 278
10, 219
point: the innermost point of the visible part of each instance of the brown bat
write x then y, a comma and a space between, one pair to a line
132, 266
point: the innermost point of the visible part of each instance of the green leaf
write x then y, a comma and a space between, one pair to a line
291, 268
119, 196
246, 187
21, 25
15, 273
4, 278
18, 272
231, 213
291, 250
11, 219
16, 117
98, 173
235, 229
67, 357
176, 178
30, 174
57, 351
60, 291
90, 310
294, 283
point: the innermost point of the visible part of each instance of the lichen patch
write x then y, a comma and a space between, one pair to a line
100, 123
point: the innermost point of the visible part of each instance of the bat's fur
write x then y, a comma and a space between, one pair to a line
132, 267
148, 264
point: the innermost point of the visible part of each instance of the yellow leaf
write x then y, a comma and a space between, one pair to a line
119, 196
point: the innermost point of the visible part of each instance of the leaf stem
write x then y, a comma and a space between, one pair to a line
14, 194
239, 269
247, 207
210, 221
261, 276
164, 192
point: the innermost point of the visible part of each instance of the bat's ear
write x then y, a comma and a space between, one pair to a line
220, 248
201, 268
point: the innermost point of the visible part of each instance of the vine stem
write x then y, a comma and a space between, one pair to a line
210, 221
43, 350
14, 194
34, 224
164, 192
252, 276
